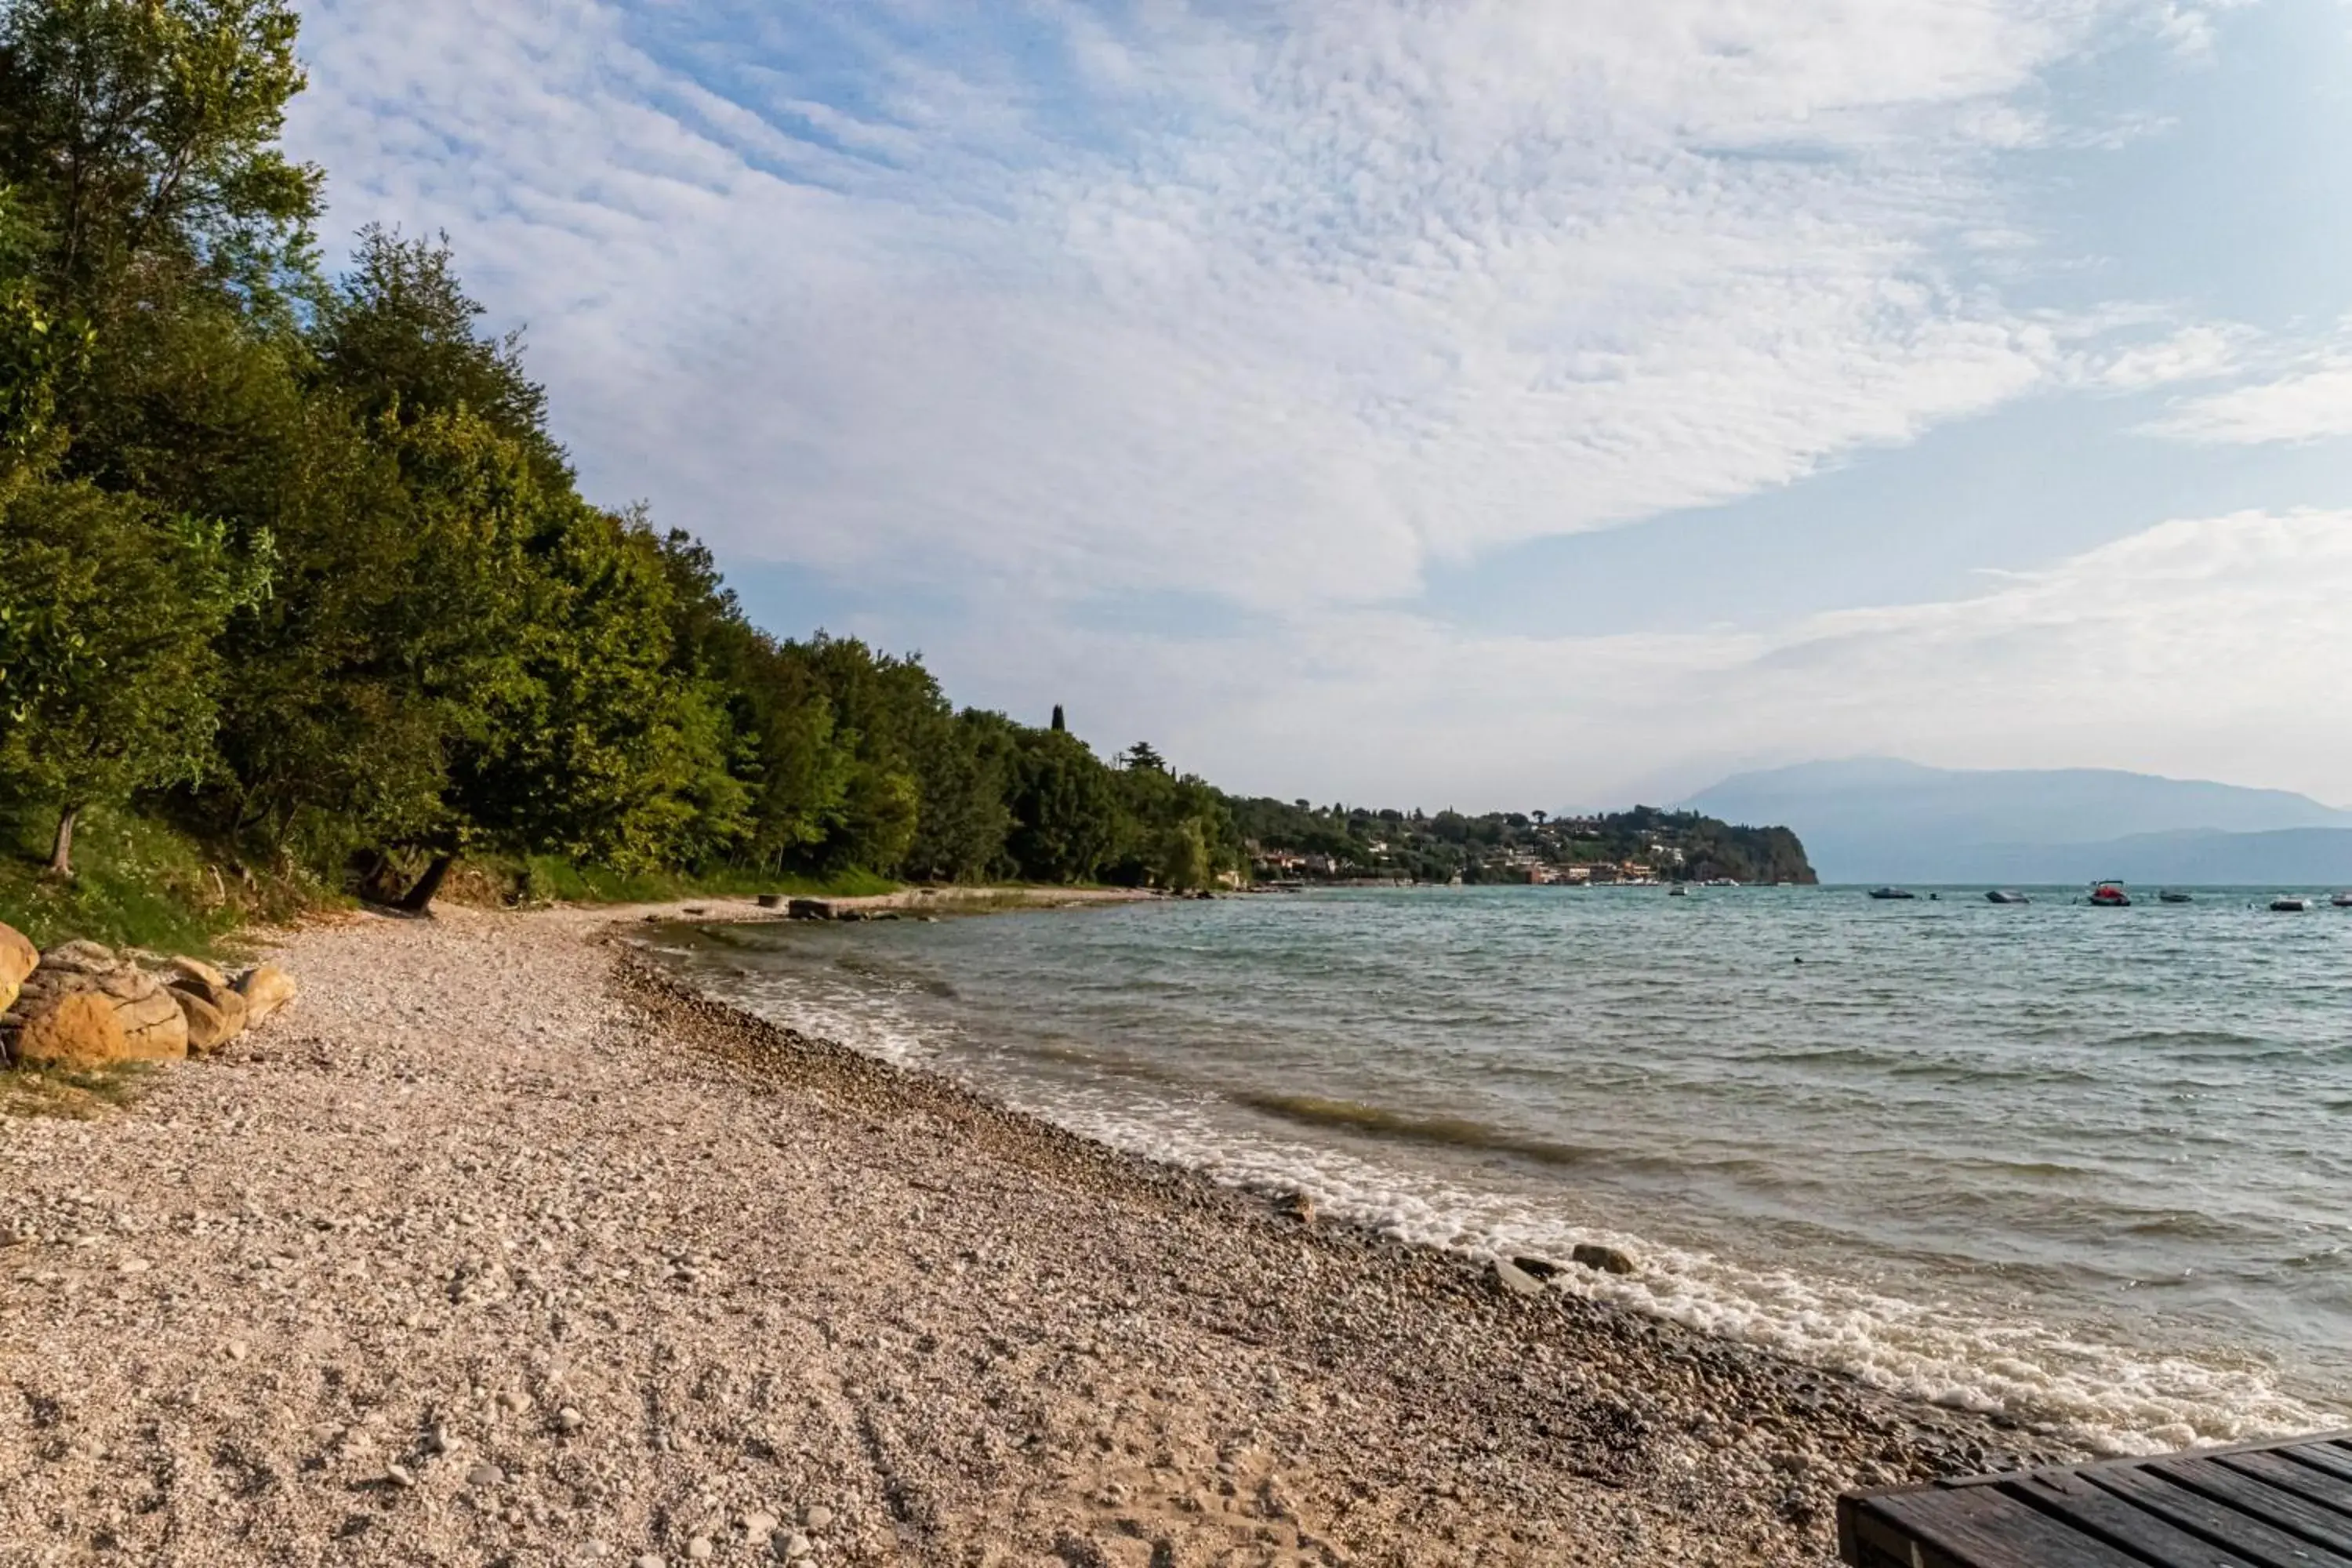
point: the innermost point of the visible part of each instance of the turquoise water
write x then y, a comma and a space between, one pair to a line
2091, 1167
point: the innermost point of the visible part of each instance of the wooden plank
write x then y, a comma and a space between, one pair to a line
2074, 1499
2328, 1457
1866, 1541
2200, 1515
1983, 1527
2318, 1486
2283, 1508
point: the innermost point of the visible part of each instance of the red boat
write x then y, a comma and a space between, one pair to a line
2110, 895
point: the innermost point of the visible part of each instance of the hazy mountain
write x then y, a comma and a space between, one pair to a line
2291, 858
1879, 819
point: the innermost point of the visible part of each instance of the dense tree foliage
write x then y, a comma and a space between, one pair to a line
298, 562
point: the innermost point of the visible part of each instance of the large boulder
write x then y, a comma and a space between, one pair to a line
18, 958
148, 1025
71, 1029
154, 1027
216, 1016
266, 988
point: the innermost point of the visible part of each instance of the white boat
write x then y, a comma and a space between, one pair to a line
2342, 900
2290, 904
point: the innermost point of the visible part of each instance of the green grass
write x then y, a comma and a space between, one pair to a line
70, 1095
141, 882
138, 883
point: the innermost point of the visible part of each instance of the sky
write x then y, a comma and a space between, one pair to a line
1492, 404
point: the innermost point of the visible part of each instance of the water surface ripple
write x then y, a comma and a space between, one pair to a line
2087, 1166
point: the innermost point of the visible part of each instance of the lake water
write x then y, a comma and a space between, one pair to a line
2092, 1167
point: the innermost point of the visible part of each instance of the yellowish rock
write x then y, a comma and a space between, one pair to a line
265, 989
154, 1027
214, 1018
18, 958
198, 970
75, 1030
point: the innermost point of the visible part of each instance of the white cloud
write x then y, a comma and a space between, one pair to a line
1283, 309
2204, 351
2205, 647
2310, 404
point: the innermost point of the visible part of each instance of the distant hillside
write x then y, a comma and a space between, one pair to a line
1295, 840
1880, 819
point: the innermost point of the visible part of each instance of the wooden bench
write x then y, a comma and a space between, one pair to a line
2283, 1504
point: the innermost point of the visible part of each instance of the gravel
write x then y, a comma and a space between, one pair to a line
497, 1248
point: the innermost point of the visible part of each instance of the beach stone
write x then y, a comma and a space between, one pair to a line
1607, 1260
1537, 1267
18, 958
1515, 1279
75, 1030
647, 1560
212, 1020
81, 958
756, 1525
485, 1476
265, 989
197, 970
819, 1518
699, 1548
792, 1548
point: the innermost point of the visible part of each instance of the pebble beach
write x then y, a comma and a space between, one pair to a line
498, 1247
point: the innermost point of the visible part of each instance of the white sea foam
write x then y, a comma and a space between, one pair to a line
2108, 1396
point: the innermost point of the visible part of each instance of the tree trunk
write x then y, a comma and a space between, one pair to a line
61, 851
420, 897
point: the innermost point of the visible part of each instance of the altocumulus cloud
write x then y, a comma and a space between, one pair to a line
1280, 304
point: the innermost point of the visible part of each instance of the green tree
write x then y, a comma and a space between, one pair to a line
602, 751
108, 671
1065, 809
401, 339
141, 136
1184, 859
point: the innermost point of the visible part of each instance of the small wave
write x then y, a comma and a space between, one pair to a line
1446, 1131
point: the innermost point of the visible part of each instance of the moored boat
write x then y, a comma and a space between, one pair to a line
1892, 893
2006, 896
2174, 896
2109, 894
2290, 904
2342, 900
